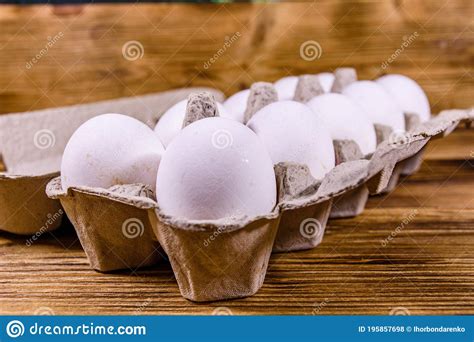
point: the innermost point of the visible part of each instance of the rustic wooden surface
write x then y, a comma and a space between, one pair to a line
87, 64
428, 268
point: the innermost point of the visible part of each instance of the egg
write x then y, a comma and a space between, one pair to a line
171, 122
236, 104
377, 103
111, 149
291, 133
326, 79
216, 168
286, 87
345, 119
407, 94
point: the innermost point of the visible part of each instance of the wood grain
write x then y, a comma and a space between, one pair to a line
86, 63
426, 268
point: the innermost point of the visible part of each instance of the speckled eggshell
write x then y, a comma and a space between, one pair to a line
236, 104
377, 103
408, 94
326, 79
111, 149
286, 87
291, 133
216, 168
345, 120
171, 122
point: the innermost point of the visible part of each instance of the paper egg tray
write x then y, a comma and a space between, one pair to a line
352, 203
31, 147
225, 259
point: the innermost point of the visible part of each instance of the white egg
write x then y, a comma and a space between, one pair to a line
286, 87
111, 149
236, 104
291, 133
377, 103
216, 168
326, 79
171, 122
408, 94
345, 119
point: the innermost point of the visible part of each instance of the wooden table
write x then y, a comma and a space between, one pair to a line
426, 268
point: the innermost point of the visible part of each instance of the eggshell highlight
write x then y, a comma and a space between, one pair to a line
345, 120
407, 94
291, 133
216, 168
377, 103
111, 149
286, 87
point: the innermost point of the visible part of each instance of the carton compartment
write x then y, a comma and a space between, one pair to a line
113, 232
216, 262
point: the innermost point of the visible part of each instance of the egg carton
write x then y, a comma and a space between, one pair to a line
212, 260
123, 227
219, 259
31, 146
411, 145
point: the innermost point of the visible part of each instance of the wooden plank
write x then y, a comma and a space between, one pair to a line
86, 63
426, 267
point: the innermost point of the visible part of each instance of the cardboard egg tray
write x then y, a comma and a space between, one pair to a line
228, 258
122, 227
31, 147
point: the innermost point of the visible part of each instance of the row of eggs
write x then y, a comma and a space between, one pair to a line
222, 167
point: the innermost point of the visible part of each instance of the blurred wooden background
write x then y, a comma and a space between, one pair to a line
85, 62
